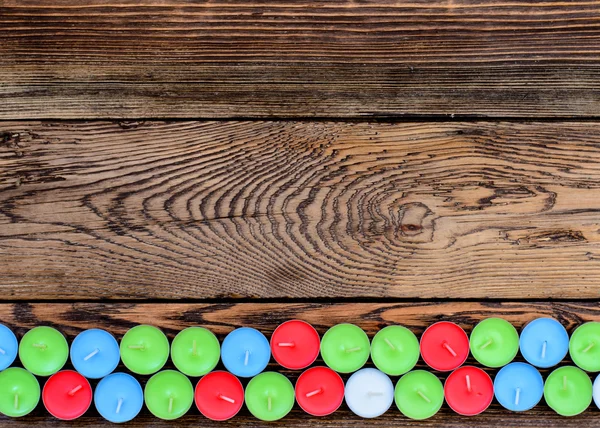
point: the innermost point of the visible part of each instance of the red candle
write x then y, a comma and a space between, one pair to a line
67, 395
219, 395
319, 391
444, 346
295, 344
469, 391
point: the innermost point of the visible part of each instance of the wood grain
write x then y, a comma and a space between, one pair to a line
376, 58
115, 210
71, 318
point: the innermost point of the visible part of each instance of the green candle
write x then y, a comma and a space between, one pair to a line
494, 342
169, 395
419, 394
568, 391
43, 351
584, 346
19, 392
144, 349
345, 348
269, 396
195, 351
395, 350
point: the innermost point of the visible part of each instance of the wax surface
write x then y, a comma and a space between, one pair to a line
269, 396
195, 351
395, 350
319, 391
9, 347
119, 397
169, 395
345, 348
494, 342
469, 391
568, 391
95, 353
245, 352
67, 395
369, 393
518, 387
419, 394
584, 346
295, 344
444, 346
544, 342
43, 351
144, 349
16, 381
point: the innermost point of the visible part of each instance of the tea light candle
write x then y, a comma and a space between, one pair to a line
144, 349
119, 397
518, 387
269, 396
596, 391
369, 393
43, 351
245, 352
584, 346
469, 391
67, 395
219, 395
395, 350
568, 391
319, 391
295, 344
95, 353
195, 351
8, 347
345, 348
544, 342
444, 346
494, 342
419, 394
19, 392
169, 395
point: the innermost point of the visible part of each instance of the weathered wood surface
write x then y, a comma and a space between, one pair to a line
222, 318
107, 210
380, 58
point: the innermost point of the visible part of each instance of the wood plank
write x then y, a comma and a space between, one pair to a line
221, 318
381, 58
107, 210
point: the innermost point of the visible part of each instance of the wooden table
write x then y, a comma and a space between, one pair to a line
231, 163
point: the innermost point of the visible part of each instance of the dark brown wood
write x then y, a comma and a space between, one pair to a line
383, 58
116, 210
221, 318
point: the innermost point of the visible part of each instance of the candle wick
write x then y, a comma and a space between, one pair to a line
390, 344
468, 378
141, 347
374, 394
2, 351
357, 348
91, 354
564, 383
286, 344
517, 395
544, 349
74, 390
246, 358
449, 349
119, 404
486, 344
315, 392
170, 405
194, 353
269, 403
590, 346
16, 401
225, 398
423, 396
39, 345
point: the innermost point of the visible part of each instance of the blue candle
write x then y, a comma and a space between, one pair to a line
8, 347
518, 387
245, 352
95, 353
544, 342
119, 397
596, 391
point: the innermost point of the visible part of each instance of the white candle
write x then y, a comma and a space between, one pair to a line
369, 393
